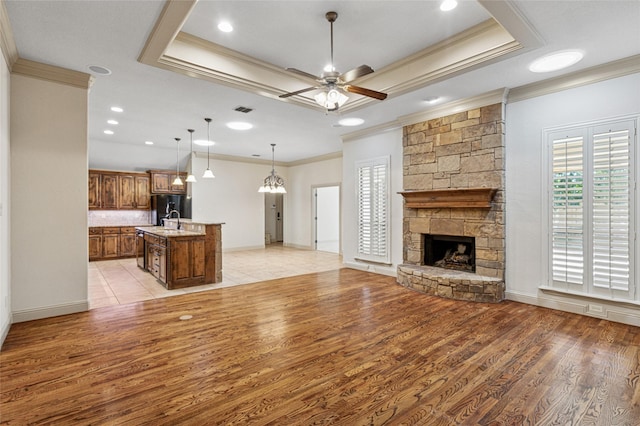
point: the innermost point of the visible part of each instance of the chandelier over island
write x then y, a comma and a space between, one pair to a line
273, 183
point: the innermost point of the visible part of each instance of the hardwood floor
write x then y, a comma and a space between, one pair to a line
341, 347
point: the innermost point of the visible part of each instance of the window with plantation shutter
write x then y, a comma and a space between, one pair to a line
373, 218
592, 209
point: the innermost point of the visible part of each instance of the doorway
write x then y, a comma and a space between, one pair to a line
273, 218
327, 218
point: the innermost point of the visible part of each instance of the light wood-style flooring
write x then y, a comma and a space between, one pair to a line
341, 347
120, 281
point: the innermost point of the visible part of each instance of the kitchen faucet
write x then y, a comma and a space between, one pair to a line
178, 213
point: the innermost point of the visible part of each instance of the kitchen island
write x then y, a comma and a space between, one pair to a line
179, 258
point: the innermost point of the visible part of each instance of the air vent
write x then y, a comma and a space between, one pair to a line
243, 109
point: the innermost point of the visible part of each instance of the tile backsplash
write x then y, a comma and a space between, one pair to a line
119, 217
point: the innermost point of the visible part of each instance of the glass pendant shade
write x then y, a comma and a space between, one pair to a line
177, 181
191, 178
331, 100
208, 174
273, 183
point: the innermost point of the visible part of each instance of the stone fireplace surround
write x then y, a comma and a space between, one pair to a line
445, 159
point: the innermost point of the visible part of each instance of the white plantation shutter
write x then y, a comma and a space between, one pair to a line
592, 193
567, 211
373, 218
611, 209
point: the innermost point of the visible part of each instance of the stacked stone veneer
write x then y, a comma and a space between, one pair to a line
463, 150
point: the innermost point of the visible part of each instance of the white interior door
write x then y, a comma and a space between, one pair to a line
327, 219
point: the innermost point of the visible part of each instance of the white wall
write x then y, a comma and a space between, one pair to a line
298, 213
5, 255
233, 198
526, 244
48, 198
385, 144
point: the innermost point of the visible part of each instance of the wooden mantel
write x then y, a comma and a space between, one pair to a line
449, 198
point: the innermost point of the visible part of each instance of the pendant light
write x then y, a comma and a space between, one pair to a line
208, 174
191, 178
177, 180
273, 183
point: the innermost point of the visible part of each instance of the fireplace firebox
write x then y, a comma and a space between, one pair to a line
450, 252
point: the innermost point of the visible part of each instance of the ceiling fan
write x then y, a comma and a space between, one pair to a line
333, 82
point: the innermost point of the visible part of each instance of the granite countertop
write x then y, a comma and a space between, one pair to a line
120, 226
161, 231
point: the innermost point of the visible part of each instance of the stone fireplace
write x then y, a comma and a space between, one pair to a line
453, 175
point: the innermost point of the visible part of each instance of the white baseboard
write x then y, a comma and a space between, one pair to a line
609, 310
390, 271
50, 311
4, 332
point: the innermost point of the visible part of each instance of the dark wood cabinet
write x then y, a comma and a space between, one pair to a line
109, 191
119, 191
157, 257
95, 191
143, 192
95, 243
111, 242
186, 260
162, 182
127, 242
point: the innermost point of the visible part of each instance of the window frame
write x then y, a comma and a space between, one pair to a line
384, 258
588, 131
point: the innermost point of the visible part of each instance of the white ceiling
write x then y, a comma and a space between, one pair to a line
161, 104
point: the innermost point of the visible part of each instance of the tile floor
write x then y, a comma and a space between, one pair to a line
118, 282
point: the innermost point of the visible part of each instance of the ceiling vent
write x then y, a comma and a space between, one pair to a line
243, 109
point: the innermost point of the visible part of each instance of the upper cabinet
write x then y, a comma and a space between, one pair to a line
162, 182
119, 191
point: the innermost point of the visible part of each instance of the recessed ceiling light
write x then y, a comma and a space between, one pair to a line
204, 142
556, 61
225, 27
100, 70
148, 142
116, 109
432, 99
108, 132
239, 125
114, 122
353, 121
448, 5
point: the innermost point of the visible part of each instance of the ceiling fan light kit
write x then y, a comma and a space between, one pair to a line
333, 84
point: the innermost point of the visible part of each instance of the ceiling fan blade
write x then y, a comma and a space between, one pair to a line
297, 92
302, 73
365, 92
356, 73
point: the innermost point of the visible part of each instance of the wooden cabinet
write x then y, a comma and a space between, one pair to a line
186, 260
95, 191
162, 182
157, 257
127, 242
95, 243
111, 242
143, 192
119, 191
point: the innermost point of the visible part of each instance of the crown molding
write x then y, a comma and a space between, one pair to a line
494, 97
510, 17
619, 68
52, 73
236, 159
372, 131
7, 42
